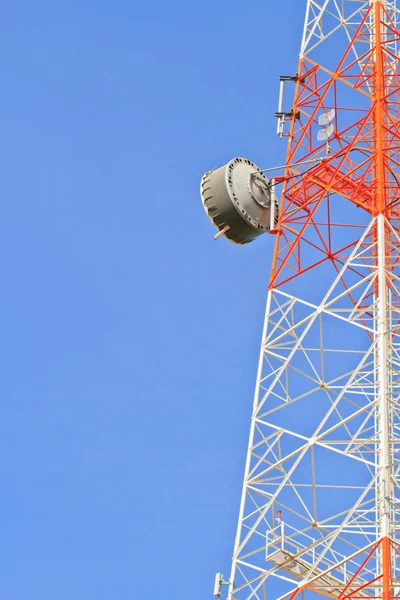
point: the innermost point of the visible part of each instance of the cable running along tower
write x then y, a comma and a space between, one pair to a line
319, 510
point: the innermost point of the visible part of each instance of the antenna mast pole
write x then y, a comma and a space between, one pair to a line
385, 485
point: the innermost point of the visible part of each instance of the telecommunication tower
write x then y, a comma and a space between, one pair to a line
319, 513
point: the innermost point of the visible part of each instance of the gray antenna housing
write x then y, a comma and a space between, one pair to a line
237, 197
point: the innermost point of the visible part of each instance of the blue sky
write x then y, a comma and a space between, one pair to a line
129, 338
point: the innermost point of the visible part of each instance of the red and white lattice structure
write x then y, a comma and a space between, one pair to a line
319, 511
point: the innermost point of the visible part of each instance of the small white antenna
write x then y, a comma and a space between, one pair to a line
324, 134
219, 582
325, 121
326, 118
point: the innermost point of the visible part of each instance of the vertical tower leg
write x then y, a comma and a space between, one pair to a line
385, 488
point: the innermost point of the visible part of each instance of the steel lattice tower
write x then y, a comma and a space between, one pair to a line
319, 510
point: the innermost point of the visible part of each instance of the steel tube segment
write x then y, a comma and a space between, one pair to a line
386, 569
379, 99
384, 486
383, 326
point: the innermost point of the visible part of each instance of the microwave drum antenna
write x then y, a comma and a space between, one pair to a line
238, 198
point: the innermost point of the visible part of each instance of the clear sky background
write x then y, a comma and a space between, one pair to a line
129, 339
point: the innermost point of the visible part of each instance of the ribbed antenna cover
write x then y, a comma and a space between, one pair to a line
237, 198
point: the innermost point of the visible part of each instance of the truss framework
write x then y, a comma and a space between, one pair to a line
319, 511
